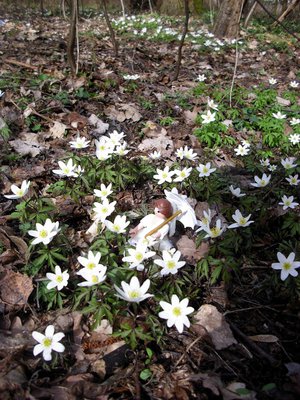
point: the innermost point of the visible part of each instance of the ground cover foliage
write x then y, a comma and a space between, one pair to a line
215, 136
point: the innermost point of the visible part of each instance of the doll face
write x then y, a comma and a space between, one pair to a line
158, 213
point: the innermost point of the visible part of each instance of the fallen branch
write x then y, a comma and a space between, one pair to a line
20, 64
276, 20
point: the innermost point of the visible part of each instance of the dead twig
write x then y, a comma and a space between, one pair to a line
254, 346
20, 64
276, 20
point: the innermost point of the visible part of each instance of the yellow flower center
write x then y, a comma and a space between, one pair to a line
20, 193
263, 182
288, 202
215, 231
164, 175
205, 170
104, 193
43, 233
59, 278
177, 311
134, 294
91, 265
47, 342
95, 279
104, 210
286, 266
66, 171
116, 228
139, 256
243, 221
171, 264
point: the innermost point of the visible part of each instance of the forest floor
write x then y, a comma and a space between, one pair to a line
254, 352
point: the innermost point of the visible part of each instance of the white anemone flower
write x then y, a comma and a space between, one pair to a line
116, 138
119, 225
236, 191
48, 342
211, 104
279, 115
59, 279
18, 192
91, 262
272, 81
44, 233
155, 155
294, 84
189, 154
92, 277
79, 143
170, 262
137, 256
261, 182
293, 180
103, 210
201, 78
66, 169
294, 138
294, 121
134, 292
205, 220
215, 231
272, 168
133, 77
164, 175
242, 150
208, 117
180, 153
245, 143
104, 191
288, 202
240, 221
182, 174
176, 312
289, 163
205, 170
121, 149
287, 265
265, 163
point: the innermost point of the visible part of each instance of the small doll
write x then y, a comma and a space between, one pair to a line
162, 210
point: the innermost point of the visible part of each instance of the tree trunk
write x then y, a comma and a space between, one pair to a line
228, 19
72, 37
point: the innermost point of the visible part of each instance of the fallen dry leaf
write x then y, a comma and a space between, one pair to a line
28, 144
189, 251
15, 288
264, 338
58, 130
123, 112
101, 127
231, 392
216, 326
160, 142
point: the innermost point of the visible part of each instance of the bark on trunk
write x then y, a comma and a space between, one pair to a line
228, 18
72, 37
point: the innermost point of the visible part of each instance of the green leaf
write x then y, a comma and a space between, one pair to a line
268, 387
145, 374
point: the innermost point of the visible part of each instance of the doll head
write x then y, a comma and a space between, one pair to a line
164, 207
